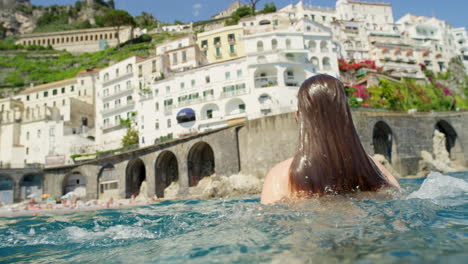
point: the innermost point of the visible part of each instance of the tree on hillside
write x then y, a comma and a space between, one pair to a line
118, 19
252, 4
146, 20
268, 8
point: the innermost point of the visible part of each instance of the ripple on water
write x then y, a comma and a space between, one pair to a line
428, 225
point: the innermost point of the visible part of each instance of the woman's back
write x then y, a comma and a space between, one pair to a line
330, 157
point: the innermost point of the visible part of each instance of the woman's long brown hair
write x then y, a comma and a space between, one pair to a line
330, 157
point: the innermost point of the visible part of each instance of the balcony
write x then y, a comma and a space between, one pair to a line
233, 93
266, 81
190, 102
118, 94
112, 127
119, 78
291, 81
118, 108
168, 109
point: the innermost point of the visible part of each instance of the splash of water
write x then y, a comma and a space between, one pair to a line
437, 186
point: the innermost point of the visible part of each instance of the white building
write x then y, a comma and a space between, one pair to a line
48, 123
434, 35
461, 42
376, 16
279, 57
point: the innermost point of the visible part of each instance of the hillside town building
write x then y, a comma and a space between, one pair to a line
80, 41
199, 82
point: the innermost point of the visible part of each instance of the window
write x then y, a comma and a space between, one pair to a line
274, 44
72, 88
106, 106
27, 135
217, 40
259, 46
140, 70
63, 102
242, 108
27, 151
38, 133
82, 82
27, 97
106, 77
153, 66
117, 102
204, 43
168, 123
129, 68
116, 73
231, 37
156, 92
63, 90
207, 79
174, 58
105, 92
193, 83
208, 93
106, 122
46, 94
37, 95
209, 113
156, 106
117, 119
184, 56
168, 89
239, 73
182, 85
232, 49
313, 17
218, 52
227, 75
117, 88
156, 125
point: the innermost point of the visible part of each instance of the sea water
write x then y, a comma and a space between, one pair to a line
427, 222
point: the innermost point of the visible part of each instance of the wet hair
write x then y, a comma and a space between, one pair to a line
330, 157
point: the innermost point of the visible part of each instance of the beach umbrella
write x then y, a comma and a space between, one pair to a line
32, 195
68, 195
46, 195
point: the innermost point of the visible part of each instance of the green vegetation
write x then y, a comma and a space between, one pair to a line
131, 138
118, 19
58, 18
246, 11
22, 65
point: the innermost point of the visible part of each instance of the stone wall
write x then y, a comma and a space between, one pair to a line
256, 146
79, 41
265, 142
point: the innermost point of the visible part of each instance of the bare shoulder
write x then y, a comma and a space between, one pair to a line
276, 182
390, 178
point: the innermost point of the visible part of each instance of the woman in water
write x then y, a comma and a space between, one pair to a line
330, 158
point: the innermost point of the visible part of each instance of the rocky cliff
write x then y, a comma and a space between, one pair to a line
20, 16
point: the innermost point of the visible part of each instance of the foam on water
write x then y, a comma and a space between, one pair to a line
437, 186
385, 228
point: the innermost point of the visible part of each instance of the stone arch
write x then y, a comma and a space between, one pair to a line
135, 174
274, 44
107, 182
312, 46
7, 186
383, 140
323, 46
259, 46
200, 162
266, 76
326, 63
166, 169
31, 184
315, 62
294, 76
451, 143
235, 106
74, 181
209, 111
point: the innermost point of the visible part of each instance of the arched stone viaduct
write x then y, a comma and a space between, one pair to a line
251, 148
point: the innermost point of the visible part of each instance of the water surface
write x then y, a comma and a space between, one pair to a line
429, 226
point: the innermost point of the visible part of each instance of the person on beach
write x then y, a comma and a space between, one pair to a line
330, 158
